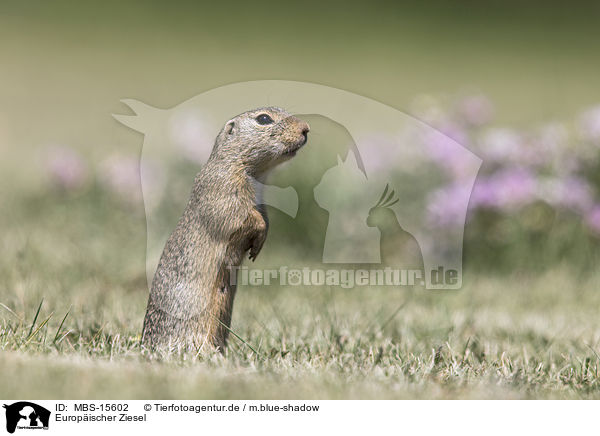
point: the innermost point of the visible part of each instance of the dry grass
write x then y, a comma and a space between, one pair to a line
71, 318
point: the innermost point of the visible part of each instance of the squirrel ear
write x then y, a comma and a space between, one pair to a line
229, 127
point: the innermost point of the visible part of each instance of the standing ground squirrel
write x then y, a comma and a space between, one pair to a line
191, 297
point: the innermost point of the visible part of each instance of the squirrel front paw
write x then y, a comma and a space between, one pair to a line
256, 246
254, 250
259, 233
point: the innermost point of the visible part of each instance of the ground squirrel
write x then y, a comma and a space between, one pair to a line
191, 297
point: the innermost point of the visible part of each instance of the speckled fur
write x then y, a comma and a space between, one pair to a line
191, 298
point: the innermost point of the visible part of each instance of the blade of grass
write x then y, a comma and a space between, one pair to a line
593, 351
38, 329
35, 318
464, 354
12, 312
97, 335
61, 325
240, 338
393, 315
373, 322
62, 337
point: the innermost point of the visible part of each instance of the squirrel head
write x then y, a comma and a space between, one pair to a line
261, 138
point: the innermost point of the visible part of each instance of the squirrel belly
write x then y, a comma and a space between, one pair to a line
191, 297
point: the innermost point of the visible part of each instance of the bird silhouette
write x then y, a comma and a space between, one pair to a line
399, 249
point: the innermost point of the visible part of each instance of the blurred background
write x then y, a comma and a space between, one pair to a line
514, 82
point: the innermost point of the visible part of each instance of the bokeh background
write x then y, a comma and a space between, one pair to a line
515, 83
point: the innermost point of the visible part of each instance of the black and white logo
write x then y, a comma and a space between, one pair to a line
26, 415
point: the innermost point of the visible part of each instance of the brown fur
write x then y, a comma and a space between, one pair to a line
191, 297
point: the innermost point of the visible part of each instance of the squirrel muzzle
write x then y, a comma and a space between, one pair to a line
296, 134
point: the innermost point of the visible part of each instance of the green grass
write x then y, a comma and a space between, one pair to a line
497, 338
70, 325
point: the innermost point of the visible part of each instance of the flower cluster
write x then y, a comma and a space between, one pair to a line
554, 163
68, 171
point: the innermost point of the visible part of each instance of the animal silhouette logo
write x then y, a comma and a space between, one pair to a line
389, 148
26, 415
375, 232
347, 218
398, 248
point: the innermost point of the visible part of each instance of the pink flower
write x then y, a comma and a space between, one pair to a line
501, 145
572, 193
549, 147
592, 219
66, 168
446, 150
506, 189
445, 207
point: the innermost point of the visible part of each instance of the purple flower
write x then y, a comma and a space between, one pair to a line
589, 124
592, 219
476, 110
549, 147
572, 193
446, 206
446, 150
576, 194
454, 131
485, 194
502, 146
66, 168
506, 189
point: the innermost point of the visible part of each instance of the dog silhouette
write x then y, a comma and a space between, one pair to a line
13, 415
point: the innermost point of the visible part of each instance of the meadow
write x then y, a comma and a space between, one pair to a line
72, 272
73, 307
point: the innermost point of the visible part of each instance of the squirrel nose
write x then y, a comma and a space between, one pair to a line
305, 128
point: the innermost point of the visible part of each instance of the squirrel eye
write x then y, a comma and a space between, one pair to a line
264, 119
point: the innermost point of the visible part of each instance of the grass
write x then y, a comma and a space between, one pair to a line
70, 325
485, 341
